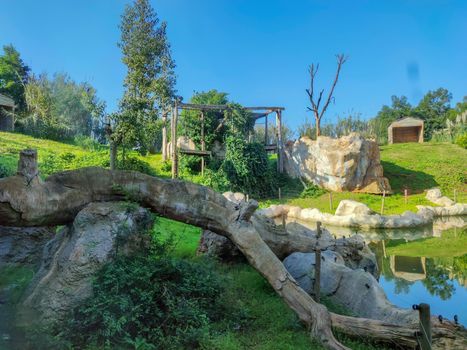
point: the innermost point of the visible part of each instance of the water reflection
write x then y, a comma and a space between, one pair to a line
427, 264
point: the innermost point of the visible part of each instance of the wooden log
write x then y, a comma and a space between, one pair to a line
280, 143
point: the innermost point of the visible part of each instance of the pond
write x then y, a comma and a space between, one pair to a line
422, 265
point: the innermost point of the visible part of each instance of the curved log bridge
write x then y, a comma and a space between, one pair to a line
28, 201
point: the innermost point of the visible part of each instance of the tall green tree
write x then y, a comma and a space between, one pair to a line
434, 109
150, 80
13, 76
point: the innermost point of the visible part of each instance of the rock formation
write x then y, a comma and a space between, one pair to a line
98, 234
356, 290
349, 163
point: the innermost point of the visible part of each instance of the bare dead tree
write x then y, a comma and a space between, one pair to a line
318, 114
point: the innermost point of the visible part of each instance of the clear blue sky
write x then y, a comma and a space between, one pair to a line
259, 51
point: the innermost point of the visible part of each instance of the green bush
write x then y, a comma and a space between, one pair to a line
5, 171
158, 303
246, 167
87, 143
312, 191
135, 164
461, 140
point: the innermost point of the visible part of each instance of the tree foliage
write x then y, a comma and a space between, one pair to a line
60, 108
150, 80
14, 74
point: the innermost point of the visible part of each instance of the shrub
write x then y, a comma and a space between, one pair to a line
87, 143
5, 171
312, 191
461, 140
246, 167
159, 302
135, 164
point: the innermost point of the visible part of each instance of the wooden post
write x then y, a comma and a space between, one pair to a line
425, 325
280, 195
266, 139
280, 146
382, 202
330, 202
164, 136
27, 164
174, 141
317, 287
405, 196
203, 143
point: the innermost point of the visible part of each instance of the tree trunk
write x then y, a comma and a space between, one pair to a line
318, 127
164, 136
57, 201
113, 155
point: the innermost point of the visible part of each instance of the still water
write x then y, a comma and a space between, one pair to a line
423, 265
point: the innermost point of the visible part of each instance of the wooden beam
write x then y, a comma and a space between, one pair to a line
266, 139
201, 107
280, 145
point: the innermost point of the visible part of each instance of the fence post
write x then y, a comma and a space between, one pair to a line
382, 202
317, 290
405, 196
425, 325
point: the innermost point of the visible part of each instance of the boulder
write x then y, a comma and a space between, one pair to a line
99, 233
350, 207
434, 195
218, 246
183, 142
356, 290
350, 163
23, 245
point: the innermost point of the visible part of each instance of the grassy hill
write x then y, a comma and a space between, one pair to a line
414, 166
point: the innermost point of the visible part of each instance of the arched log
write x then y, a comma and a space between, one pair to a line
58, 199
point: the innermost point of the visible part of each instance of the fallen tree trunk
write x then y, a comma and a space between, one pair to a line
26, 201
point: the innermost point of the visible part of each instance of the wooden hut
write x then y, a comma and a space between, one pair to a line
7, 108
406, 130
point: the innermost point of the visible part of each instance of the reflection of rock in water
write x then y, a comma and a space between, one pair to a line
409, 234
408, 268
446, 223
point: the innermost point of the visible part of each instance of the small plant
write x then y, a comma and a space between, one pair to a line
5, 172
312, 191
461, 140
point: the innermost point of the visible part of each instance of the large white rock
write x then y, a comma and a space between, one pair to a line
434, 195
350, 163
349, 207
184, 143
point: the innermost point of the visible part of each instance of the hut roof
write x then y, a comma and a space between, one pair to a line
408, 121
6, 101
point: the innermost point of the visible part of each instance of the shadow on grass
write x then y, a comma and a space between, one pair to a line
401, 178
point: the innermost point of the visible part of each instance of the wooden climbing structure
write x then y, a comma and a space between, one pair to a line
256, 113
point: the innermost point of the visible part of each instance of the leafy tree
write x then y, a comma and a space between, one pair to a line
149, 84
14, 74
434, 109
60, 108
190, 124
400, 108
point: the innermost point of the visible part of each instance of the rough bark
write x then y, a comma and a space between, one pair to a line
57, 200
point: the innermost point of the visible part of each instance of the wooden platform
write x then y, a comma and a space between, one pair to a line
195, 152
270, 147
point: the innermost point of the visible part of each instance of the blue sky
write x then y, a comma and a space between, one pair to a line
259, 51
